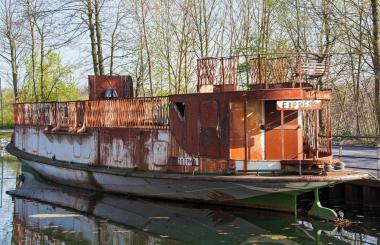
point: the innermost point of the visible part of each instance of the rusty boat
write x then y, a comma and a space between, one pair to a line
256, 133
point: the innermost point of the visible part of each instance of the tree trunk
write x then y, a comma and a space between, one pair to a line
114, 39
376, 57
12, 46
91, 27
98, 29
42, 61
33, 56
147, 48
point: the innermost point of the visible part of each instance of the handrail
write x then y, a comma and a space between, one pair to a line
264, 69
74, 116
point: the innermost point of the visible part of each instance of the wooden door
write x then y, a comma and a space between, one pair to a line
245, 132
282, 142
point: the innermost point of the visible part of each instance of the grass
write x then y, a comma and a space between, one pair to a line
6, 134
9, 158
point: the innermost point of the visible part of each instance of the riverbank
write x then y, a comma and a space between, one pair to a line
6, 134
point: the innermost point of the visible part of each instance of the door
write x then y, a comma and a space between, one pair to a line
245, 132
282, 142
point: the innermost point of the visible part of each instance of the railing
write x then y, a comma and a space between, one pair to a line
265, 69
324, 146
217, 71
121, 113
316, 132
140, 112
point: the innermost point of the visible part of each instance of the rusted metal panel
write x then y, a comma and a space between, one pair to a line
178, 122
210, 142
212, 165
134, 148
118, 149
202, 131
210, 137
262, 94
209, 113
191, 141
253, 127
98, 84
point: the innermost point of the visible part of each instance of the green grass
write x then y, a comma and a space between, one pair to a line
6, 134
9, 158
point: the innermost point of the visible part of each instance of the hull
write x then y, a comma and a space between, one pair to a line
277, 193
110, 219
206, 191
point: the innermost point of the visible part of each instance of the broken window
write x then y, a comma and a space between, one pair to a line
180, 108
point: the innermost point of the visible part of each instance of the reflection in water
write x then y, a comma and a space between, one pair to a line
70, 229
44, 213
9, 169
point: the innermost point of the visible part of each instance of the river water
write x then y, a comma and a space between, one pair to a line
45, 213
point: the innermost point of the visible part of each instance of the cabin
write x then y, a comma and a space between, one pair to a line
264, 113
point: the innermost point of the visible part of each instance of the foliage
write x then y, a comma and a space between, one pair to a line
58, 83
8, 100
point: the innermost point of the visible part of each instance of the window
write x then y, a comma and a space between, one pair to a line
180, 108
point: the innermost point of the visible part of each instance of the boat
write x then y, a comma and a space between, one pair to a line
256, 133
48, 212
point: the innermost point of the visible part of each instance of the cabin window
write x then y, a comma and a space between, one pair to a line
180, 108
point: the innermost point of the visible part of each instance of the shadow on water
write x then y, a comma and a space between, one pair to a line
42, 212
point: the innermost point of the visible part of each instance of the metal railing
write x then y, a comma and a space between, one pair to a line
265, 69
120, 113
219, 71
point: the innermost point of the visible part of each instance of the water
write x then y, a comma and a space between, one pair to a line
8, 171
81, 217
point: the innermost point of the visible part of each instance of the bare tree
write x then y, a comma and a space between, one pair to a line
12, 39
376, 55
